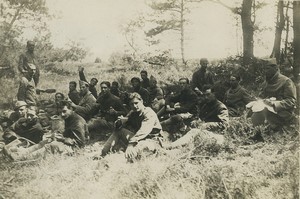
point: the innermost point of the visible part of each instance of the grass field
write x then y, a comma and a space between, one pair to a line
234, 170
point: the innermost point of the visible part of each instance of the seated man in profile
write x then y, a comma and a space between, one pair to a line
236, 97
26, 125
213, 118
157, 100
182, 108
75, 134
278, 99
138, 131
86, 103
109, 108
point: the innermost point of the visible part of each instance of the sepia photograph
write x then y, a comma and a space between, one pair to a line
156, 99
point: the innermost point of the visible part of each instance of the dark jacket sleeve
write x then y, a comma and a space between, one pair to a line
82, 76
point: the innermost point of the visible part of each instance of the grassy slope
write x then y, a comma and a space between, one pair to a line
263, 170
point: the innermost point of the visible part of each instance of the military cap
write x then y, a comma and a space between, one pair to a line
83, 83
19, 104
270, 61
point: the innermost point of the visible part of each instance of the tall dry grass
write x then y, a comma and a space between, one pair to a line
261, 170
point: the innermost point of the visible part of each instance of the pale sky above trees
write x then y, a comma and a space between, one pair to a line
210, 33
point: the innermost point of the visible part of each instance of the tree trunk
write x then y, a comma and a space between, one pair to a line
287, 19
182, 31
296, 42
278, 32
248, 31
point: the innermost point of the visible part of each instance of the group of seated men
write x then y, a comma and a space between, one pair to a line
134, 120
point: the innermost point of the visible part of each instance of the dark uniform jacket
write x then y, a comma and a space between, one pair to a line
105, 102
202, 78
214, 111
74, 96
187, 99
236, 100
144, 94
76, 128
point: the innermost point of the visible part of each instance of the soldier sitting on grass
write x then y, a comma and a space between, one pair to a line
236, 97
213, 118
75, 133
136, 132
181, 107
26, 125
108, 108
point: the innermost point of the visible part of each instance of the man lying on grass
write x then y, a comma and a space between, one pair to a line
136, 132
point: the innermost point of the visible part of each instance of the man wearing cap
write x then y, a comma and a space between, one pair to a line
156, 95
86, 103
202, 77
109, 108
136, 86
278, 99
27, 91
27, 125
236, 98
29, 58
73, 93
91, 85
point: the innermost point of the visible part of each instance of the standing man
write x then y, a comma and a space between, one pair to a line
27, 90
86, 103
29, 58
91, 85
278, 99
145, 80
202, 77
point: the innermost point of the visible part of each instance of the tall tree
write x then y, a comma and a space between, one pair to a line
170, 15
248, 30
247, 12
16, 15
296, 42
280, 22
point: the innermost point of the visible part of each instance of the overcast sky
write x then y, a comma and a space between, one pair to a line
96, 23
